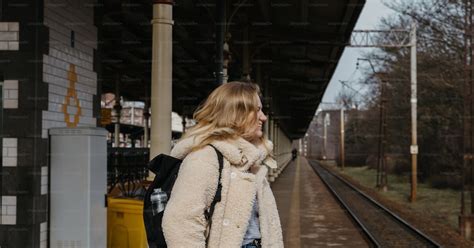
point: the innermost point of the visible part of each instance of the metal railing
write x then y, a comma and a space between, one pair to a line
126, 171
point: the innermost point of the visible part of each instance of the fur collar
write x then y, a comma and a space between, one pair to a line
239, 152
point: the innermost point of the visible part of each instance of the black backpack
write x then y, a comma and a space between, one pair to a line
166, 170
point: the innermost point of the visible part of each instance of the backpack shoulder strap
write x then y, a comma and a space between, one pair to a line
217, 196
220, 158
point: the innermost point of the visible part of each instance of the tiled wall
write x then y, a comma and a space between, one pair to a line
8, 210
22, 41
10, 151
44, 235
10, 94
9, 36
65, 53
44, 180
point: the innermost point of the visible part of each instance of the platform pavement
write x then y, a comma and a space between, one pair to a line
310, 216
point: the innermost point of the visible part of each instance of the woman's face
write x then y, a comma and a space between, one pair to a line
256, 131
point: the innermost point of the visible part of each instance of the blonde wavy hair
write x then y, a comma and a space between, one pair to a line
228, 113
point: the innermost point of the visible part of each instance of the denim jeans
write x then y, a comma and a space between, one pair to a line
254, 244
250, 246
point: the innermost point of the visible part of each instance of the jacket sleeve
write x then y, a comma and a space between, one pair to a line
184, 223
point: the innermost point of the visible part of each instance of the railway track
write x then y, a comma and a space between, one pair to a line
382, 227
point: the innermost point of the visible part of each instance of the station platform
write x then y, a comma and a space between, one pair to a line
310, 216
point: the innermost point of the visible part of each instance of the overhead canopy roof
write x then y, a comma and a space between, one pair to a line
296, 44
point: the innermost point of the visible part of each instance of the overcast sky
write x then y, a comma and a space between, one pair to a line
372, 12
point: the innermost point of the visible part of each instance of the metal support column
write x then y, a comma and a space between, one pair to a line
265, 100
270, 130
220, 32
161, 84
413, 100
276, 131
275, 149
277, 142
271, 172
245, 55
117, 111
146, 127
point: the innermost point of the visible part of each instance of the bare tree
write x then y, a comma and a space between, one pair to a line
440, 77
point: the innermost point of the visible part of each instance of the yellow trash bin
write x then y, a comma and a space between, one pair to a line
125, 228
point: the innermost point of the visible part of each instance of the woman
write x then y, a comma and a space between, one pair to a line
231, 120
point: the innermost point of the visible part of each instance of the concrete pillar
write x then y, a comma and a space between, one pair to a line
276, 149
226, 62
146, 116
300, 146
265, 100
285, 151
266, 127
277, 138
246, 55
270, 128
270, 121
279, 149
117, 110
161, 84
220, 21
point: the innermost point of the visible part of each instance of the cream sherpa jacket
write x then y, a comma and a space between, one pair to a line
184, 224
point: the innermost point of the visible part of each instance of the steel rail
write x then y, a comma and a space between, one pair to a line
404, 224
370, 238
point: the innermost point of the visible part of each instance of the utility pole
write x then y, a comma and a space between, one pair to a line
382, 161
325, 135
381, 175
399, 38
466, 218
341, 154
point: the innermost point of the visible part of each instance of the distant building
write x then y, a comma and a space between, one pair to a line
324, 136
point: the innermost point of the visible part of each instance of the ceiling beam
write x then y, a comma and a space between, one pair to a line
265, 9
303, 4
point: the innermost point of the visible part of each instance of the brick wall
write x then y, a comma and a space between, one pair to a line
9, 36
46, 70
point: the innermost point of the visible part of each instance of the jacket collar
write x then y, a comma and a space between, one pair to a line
239, 152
